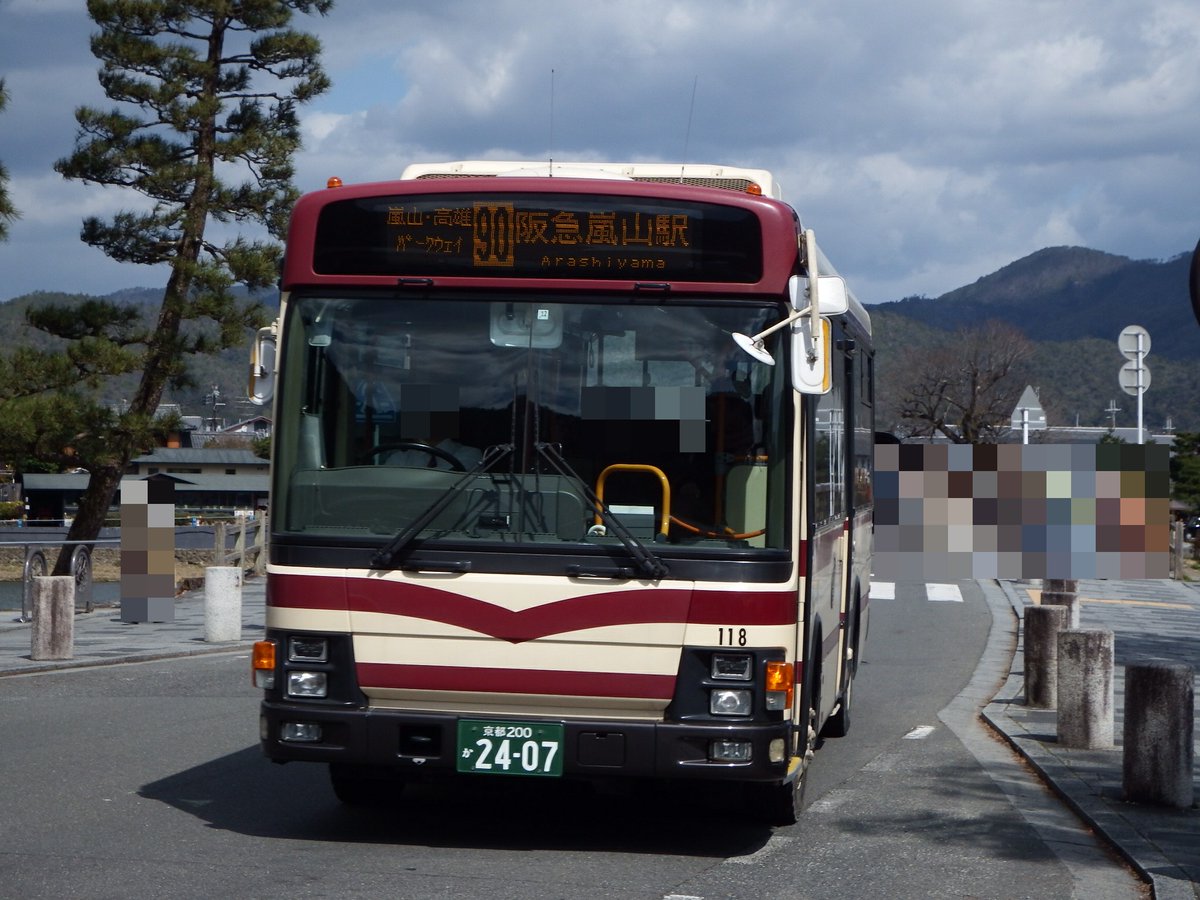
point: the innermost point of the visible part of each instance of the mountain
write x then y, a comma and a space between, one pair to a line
226, 369
1072, 302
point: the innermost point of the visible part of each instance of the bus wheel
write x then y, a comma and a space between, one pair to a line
781, 804
838, 724
361, 785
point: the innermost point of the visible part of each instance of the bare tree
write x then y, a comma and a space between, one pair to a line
967, 388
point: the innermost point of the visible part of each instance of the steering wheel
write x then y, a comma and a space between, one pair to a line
436, 452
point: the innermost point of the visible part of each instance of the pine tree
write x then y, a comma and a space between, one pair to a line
8, 212
208, 88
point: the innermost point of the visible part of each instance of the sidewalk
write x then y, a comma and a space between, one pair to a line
101, 638
1150, 621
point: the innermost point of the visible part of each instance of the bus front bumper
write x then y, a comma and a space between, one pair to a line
414, 744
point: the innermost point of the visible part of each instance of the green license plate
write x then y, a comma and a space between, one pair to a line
510, 748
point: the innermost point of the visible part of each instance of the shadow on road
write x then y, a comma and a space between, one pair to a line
245, 794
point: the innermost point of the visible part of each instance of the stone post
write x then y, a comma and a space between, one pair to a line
1085, 689
53, 631
1042, 625
1062, 592
222, 603
1158, 734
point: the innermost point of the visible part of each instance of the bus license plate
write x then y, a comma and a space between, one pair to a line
510, 748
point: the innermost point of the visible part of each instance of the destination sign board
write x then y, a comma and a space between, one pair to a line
539, 236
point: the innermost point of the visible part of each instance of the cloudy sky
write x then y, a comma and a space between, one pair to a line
928, 143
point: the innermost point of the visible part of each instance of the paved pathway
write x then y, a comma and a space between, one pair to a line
1150, 621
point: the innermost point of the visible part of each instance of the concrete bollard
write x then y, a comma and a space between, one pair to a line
222, 604
1061, 585
1063, 592
1042, 625
1158, 734
1085, 689
1069, 601
53, 631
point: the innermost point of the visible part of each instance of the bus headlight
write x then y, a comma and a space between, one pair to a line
726, 702
307, 684
305, 649
732, 666
730, 751
300, 732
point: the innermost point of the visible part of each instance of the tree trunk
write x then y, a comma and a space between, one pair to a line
102, 486
93, 508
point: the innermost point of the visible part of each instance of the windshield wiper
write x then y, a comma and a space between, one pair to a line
647, 562
385, 556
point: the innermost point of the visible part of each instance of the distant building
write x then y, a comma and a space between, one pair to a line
1078, 434
198, 431
208, 484
198, 461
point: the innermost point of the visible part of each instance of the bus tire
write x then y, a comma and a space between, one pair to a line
838, 724
361, 785
782, 803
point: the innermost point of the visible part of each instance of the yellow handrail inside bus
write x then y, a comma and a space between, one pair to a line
665, 517
728, 533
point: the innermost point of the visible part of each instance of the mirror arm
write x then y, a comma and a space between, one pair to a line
814, 281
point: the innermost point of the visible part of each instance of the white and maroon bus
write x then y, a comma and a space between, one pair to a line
571, 478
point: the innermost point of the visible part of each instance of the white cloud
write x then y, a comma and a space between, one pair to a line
928, 143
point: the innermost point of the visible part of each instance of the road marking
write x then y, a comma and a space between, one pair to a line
943, 593
918, 734
1157, 604
774, 844
1036, 596
833, 800
939, 593
887, 761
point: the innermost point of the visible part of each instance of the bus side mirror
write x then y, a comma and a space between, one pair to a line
811, 357
261, 387
833, 298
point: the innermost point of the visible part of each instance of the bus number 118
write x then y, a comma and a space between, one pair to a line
731, 636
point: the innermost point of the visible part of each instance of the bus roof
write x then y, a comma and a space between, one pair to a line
750, 181
442, 177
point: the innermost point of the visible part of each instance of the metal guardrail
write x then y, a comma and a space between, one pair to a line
249, 551
81, 570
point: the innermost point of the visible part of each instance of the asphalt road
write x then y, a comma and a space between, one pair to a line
146, 780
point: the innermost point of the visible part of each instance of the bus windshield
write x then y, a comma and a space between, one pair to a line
386, 406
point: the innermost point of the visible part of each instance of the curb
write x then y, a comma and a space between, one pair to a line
1124, 838
57, 665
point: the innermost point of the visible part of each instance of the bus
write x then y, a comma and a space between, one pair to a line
571, 479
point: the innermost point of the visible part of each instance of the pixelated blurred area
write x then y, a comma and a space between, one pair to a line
947, 512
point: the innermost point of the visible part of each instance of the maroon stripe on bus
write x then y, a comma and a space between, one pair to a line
641, 607
306, 592
748, 608
484, 680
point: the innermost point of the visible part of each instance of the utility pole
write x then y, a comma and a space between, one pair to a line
1112, 411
